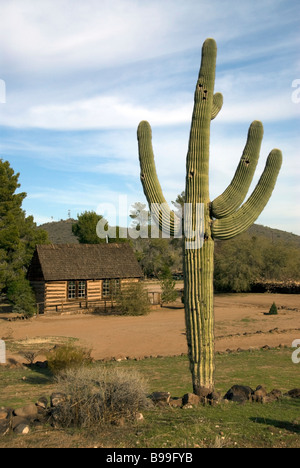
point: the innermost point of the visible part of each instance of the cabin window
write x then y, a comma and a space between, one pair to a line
76, 290
110, 287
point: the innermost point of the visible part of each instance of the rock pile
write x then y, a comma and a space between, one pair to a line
237, 393
21, 420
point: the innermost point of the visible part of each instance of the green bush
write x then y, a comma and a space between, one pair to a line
68, 356
133, 300
169, 293
273, 310
97, 395
20, 294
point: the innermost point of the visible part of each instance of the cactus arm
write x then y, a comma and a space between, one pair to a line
241, 220
217, 105
234, 195
164, 217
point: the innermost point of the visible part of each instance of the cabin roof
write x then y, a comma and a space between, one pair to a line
61, 262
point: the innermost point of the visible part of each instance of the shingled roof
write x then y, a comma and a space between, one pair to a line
62, 262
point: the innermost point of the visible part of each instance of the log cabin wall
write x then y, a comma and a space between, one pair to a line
55, 295
53, 267
94, 290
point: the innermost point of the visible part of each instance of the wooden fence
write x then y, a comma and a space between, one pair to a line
87, 306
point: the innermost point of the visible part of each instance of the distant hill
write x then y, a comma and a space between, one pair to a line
274, 234
60, 232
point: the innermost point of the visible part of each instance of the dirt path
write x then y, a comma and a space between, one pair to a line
240, 323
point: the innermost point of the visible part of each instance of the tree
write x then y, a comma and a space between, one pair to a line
18, 238
86, 229
206, 220
168, 291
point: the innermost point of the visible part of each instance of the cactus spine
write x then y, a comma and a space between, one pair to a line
223, 218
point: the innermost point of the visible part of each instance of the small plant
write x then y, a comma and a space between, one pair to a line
30, 356
133, 300
97, 396
68, 356
168, 291
273, 309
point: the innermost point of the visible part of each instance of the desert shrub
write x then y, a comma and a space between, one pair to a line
168, 291
97, 396
133, 300
68, 356
273, 310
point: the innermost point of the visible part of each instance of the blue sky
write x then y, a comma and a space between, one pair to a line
81, 75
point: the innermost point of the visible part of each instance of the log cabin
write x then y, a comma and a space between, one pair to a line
72, 277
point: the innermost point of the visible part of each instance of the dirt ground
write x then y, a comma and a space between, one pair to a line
240, 323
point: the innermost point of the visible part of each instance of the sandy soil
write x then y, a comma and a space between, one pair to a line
240, 323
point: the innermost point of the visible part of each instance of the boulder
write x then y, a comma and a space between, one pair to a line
191, 399
17, 420
27, 412
260, 394
160, 397
3, 414
274, 395
175, 402
22, 429
239, 393
295, 393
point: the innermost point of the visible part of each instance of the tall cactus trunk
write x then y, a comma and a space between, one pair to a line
204, 221
199, 261
199, 316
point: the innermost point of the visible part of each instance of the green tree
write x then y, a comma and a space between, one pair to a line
18, 237
168, 291
86, 229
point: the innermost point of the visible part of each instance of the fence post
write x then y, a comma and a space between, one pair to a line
2, 352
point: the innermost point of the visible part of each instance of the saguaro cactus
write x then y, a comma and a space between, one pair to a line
222, 218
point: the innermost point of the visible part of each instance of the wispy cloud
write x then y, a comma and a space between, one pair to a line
80, 76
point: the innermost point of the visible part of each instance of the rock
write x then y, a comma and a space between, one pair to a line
42, 402
295, 393
191, 399
175, 402
274, 395
57, 399
28, 411
22, 429
17, 420
3, 414
160, 397
260, 394
139, 417
214, 398
239, 393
